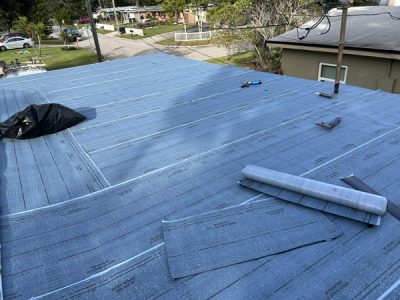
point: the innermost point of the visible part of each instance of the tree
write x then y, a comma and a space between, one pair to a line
263, 18
174, 8
35, 30
66, 38
41, 13
63, 14
10, 9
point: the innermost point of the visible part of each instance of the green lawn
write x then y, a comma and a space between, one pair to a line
244, 60
51, 42
54, 58
149, 32
171, 42
103, 31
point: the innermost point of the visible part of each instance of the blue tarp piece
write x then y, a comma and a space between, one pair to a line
167, 138
312, 202
241, 233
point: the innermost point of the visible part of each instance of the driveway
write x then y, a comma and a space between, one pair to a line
113, 47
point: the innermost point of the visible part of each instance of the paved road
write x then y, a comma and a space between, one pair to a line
113, 47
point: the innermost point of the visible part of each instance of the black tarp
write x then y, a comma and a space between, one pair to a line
37, 120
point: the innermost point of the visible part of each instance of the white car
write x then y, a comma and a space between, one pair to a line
16, 42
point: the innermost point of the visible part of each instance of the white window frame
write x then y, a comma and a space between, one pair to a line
320, 78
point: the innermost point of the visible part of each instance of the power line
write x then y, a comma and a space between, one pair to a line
372, 14
308, 29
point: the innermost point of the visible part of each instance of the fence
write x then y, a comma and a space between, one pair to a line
105, 26
192, 36
134, 31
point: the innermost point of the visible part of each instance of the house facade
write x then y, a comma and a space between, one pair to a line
128, 14
371, 56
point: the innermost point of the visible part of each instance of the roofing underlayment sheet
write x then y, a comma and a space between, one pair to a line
167, 138
241, 233
312, 202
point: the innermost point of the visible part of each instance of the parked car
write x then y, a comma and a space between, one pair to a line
84, 20
15, 43
73, 33
13, 34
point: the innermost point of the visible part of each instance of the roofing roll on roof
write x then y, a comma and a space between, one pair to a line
344, 196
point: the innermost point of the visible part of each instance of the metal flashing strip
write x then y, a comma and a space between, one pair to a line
312, 202
241, 233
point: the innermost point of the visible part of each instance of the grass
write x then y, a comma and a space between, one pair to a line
51, 42
54, 58
243, 59
103, 31
171, 42
149, 32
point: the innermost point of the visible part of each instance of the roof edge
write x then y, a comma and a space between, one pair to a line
332, 49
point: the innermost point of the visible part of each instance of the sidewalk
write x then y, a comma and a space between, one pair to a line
114, 47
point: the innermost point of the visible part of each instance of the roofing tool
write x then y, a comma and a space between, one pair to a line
331, 124
325, 95
358, 184
251, 82
338, 200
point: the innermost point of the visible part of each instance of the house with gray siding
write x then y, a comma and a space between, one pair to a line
371, 55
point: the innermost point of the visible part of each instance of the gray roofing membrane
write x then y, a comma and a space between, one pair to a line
241, 233
167, 138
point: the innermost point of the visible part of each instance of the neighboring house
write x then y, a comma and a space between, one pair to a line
371, 55
193, 15
128, 14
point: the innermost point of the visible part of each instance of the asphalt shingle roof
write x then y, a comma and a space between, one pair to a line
368, 28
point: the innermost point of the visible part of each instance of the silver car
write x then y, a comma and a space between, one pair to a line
16, 42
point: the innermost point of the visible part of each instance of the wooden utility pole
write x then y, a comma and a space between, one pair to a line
341, 46
94, 33
115, 15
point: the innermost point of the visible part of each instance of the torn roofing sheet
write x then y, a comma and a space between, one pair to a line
171, 137
241, 233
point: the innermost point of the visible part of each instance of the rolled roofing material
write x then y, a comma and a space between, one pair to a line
312, 202
347, 197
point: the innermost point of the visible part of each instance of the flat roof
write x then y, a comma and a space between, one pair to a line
167, 138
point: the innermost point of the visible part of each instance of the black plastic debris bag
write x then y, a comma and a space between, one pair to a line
37, 120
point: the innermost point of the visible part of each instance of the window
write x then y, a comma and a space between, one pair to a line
327, 72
